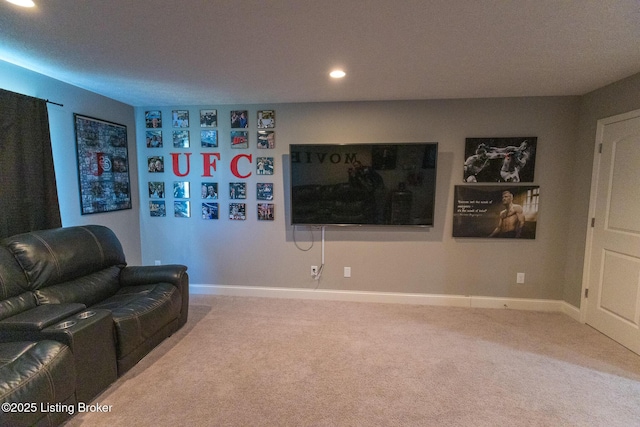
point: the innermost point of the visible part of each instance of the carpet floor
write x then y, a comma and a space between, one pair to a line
243, 361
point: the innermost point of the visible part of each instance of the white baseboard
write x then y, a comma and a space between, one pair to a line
571, 311
389, 297
515, 303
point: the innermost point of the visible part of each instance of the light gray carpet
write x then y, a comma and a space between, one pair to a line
273, 362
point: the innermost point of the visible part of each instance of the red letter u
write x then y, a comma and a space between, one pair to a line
176, 164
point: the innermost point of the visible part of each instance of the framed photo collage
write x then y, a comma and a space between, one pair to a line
206, 194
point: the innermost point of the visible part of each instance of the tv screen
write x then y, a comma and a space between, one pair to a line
363, 184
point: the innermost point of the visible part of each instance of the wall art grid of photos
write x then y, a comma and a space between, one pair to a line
154, 139
239, 139
494, 202
181, 139
208, 138
266, 136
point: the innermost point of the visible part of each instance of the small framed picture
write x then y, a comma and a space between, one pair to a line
208, 118
500, 159
180, 118
237, 211
154, 139
265, 212
153, 118
156, 189
264, 165
266, 119
240, 119
264, 191
210, 210
157, 208
155, 164
209, 138
209, 190
266, 139
239, 139
496, 211
180, 139
103, 165
237, 190
181, 190
182, 209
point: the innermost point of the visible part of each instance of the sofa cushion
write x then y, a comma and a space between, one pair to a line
87, 290
16, 305
141, 311
40, 372
50, 257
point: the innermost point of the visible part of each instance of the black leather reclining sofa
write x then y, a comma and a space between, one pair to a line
74, 317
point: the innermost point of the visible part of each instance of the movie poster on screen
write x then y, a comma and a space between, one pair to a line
509, 212
500, 159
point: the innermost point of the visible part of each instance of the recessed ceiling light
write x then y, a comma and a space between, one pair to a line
337, 74
22, 3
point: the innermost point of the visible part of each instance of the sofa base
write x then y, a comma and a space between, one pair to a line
90, 337
129, 361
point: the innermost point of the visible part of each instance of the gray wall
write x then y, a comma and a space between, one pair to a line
253, 253
271, 254
617, 98
125, 223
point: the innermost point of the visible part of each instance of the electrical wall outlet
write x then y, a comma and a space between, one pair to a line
347, 272
158, 262
520, 278
314, 271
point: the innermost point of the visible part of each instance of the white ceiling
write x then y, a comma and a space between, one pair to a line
186, 52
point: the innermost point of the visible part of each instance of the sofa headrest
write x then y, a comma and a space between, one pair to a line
49, 257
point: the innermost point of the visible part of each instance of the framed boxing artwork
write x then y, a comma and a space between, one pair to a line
500, 159
496, 211
103, 165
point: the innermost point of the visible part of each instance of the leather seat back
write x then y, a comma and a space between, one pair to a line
14, 295
50, 257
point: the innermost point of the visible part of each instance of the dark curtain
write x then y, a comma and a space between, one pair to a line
28, 194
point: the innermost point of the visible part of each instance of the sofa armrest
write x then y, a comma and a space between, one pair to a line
149, 274
175, 274
39, 317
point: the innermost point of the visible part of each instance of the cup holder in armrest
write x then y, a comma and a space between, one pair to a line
85, 314
66, 325
40, 317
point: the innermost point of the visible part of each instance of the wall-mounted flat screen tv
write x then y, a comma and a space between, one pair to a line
390, 184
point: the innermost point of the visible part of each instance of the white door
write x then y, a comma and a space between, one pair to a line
612, 261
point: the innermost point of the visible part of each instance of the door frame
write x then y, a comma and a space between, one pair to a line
595, 172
